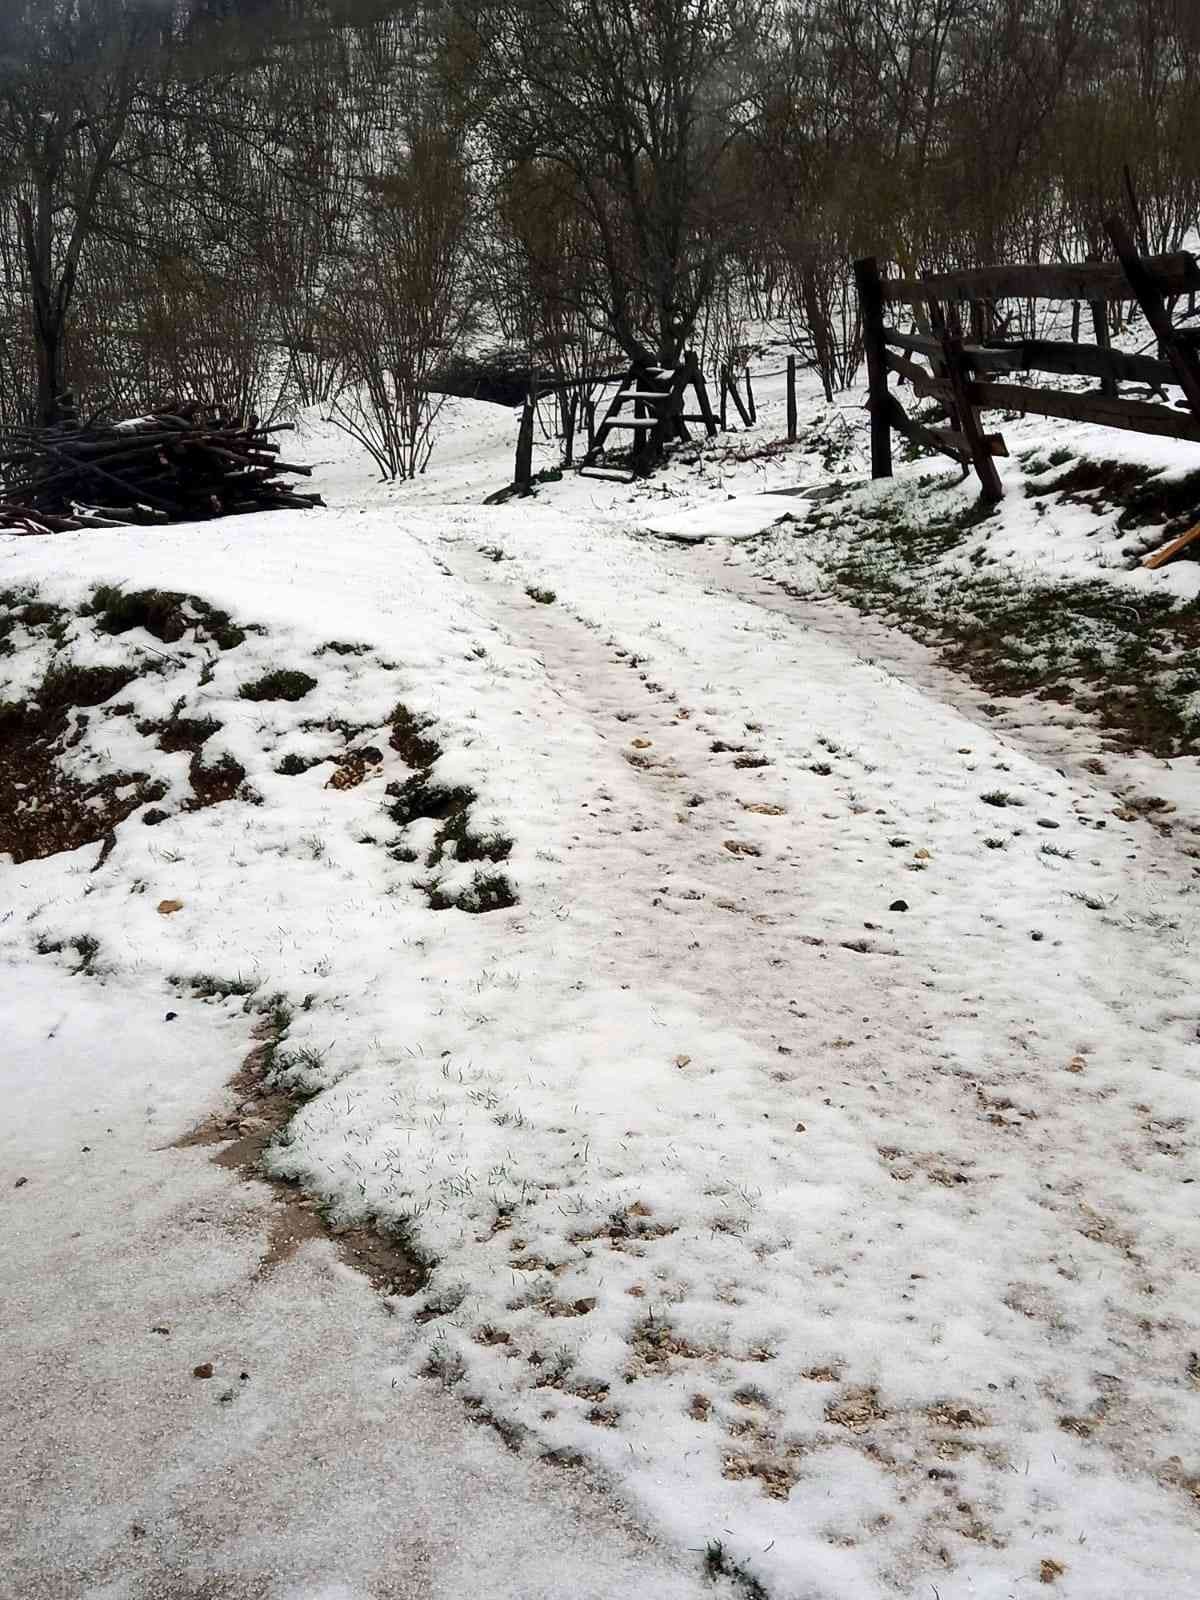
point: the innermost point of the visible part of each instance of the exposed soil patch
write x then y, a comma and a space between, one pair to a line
44, 807
180, 733
242, 1136
43, 810
212, 785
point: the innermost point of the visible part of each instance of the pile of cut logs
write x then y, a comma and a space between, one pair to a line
191, 463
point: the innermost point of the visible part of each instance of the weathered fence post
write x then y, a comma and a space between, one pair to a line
870, 298
569, 405
523, 471
1099, 310
791, 399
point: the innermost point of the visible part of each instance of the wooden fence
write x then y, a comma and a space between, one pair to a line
972, 370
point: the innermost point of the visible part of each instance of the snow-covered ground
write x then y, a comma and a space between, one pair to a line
805, 1161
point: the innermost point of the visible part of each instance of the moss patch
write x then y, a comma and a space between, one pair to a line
279, 685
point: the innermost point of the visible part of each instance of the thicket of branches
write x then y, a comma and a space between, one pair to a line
283, 203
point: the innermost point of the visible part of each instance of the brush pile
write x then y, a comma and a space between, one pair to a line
191, 463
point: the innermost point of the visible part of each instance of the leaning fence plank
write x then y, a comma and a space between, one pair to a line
945, 440
959, 375
1149, 291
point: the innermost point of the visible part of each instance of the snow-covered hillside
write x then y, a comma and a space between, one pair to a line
770, 1050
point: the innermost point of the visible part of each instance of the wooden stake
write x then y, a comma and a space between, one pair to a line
523, 470
870, 299
791, 399
1100, 324
1168, 551
731, 389
701, 388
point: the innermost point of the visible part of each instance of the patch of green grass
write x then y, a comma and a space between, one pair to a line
1132, 659
718, 1563
163, 613
21, 608
294, 766
84, 945
488, 891
208, 986
283, 684
340, 649
68, 685
418, 797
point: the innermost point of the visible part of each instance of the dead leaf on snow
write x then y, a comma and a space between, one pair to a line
167, 908
857, 1409
1049, 1570
741, 847
762, 809
641, 744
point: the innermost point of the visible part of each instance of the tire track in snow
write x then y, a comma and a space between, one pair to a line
1002, 1076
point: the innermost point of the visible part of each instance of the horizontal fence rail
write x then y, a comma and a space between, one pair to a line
1098, 280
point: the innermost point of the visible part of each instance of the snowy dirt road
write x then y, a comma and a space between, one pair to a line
309, 1463
808, 1152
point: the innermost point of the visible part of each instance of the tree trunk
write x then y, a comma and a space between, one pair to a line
51, 352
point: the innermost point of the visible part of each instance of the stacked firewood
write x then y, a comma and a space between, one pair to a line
190, 463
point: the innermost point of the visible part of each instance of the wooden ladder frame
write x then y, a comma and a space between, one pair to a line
657, 395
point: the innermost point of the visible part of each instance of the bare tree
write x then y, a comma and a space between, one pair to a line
638, 103
404, 303
70, 73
